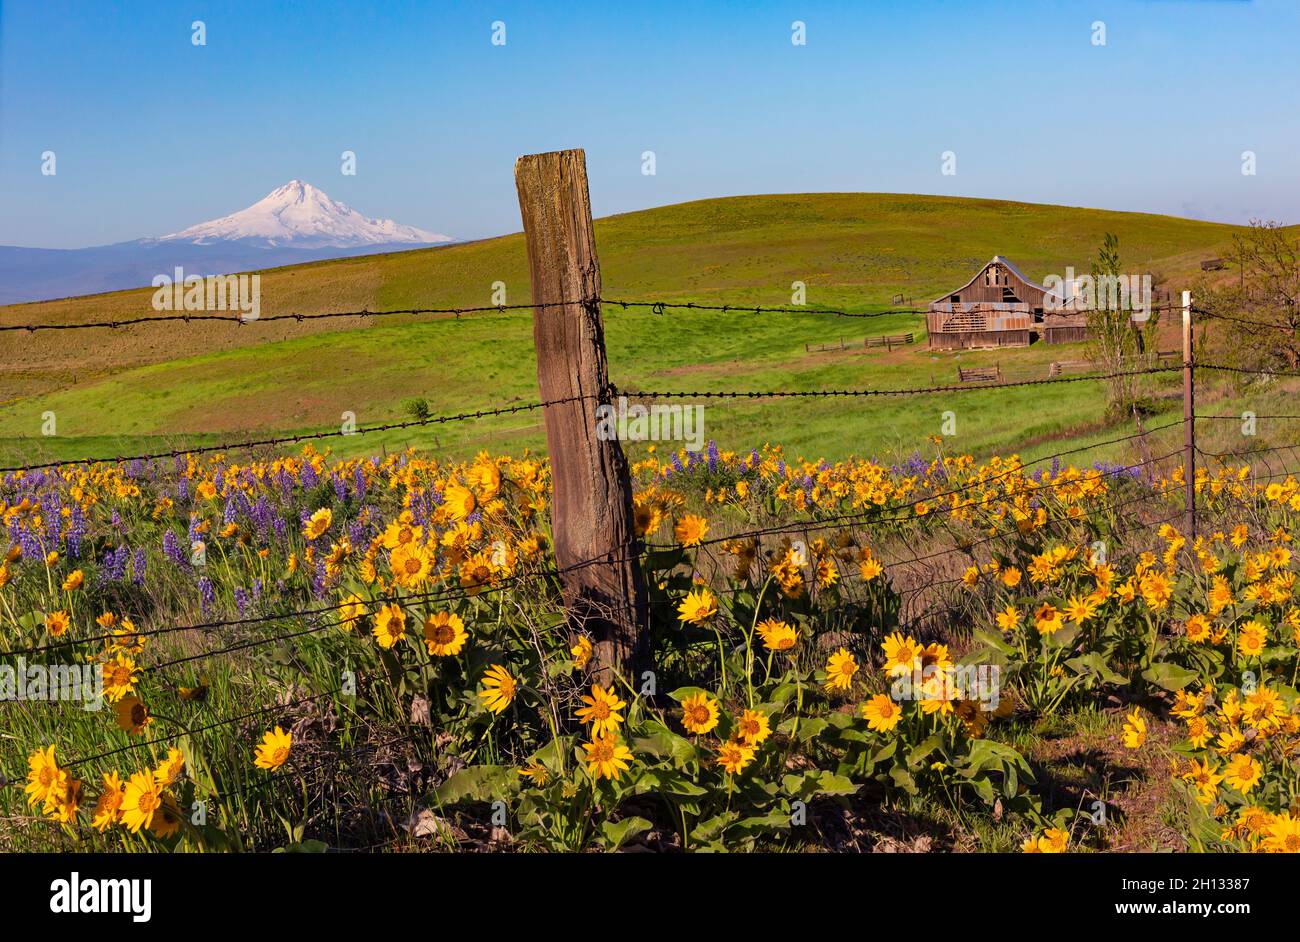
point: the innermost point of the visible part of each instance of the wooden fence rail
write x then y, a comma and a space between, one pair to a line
889, 342
980, 374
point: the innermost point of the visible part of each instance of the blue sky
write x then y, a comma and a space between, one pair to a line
153, 133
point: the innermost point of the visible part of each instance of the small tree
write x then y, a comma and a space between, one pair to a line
1117, 342
417, 409
1259, 312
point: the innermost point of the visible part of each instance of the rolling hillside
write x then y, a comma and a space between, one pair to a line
177, 384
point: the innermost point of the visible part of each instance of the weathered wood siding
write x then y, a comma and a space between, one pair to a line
971, 339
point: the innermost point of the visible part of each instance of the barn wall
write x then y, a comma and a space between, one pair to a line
1065, 334
968, 339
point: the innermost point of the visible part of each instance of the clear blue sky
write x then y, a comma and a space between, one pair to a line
153, 134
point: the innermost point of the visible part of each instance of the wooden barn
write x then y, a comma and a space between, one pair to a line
1000, 307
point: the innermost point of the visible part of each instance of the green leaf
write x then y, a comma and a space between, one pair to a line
994, 640
1093, 664
712, 828
662, 742
667, 782
810, 728
303, 847
903, 779
681, 693
1061, 639
920, 752
815, 782
1169, 676
772, 821
479, 783
616, 833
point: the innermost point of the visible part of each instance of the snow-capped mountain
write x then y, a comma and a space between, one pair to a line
292, 224
301, 216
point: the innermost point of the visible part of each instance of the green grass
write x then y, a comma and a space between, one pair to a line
140, 388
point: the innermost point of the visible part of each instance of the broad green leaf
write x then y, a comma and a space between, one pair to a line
1169, 676
617, 833
482, 783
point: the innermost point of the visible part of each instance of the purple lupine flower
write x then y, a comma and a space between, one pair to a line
138, 563
677, 463
29, 542
219, 480
257, 588
340, 489
309, 477
318, 580
359, 484
713, 456
357, 533
52, 509
172, 550
241, 600
281, 528
261, 516
207, 593
183, 489
112, 567
194, 534
76, 531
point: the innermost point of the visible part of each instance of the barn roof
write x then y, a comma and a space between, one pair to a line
995, 260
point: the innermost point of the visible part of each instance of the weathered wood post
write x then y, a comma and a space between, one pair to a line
591, 506
1189, 423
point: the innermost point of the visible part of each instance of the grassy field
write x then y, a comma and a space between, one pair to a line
141, 388
295, 561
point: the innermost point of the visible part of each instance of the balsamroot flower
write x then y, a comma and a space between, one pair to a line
601, 710
840, 668
698, 608
273, 751
444, 634
699, 714
607, 757
499, 689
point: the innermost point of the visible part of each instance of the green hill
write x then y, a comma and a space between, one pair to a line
139, 388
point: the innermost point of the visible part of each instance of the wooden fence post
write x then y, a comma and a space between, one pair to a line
1189, 423
591, 505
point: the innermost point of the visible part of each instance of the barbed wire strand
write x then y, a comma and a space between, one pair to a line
291, 439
